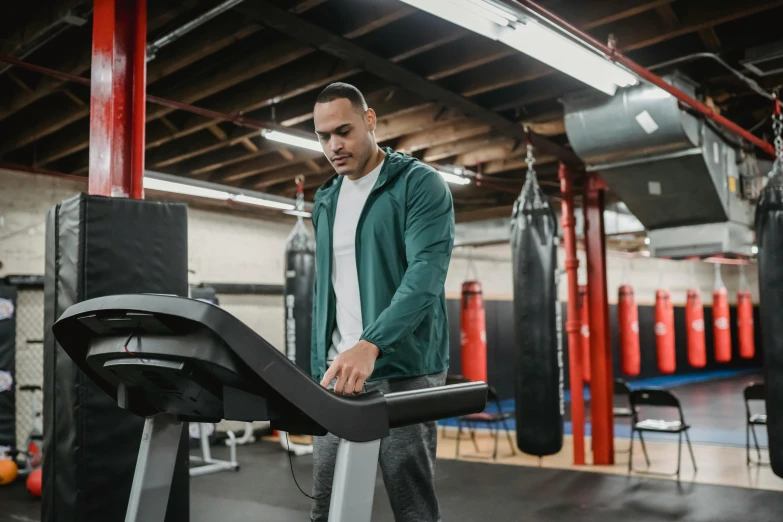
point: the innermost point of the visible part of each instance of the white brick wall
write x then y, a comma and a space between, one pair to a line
230, 248
493, 265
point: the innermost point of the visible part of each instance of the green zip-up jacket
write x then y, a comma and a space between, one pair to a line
403, 240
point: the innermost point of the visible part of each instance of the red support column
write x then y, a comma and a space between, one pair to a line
573, 319
118, 97
601, 383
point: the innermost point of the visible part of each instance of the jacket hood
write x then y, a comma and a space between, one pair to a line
394, 164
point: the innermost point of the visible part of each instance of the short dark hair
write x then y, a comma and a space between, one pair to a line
339, 90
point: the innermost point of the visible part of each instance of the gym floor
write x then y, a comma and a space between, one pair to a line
515, 488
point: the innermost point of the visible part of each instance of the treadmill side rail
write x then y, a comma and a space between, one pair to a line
154, 469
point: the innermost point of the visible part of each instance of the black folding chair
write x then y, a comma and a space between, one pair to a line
658, 398
491, 420
753, 392
622, 410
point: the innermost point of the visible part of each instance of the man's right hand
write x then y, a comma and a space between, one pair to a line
352, 368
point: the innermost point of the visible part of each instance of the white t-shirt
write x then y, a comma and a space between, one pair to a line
345, 280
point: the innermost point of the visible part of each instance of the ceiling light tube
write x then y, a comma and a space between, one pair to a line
249, 200
567, 56
532, 38
184, 188
453, 178
290, 139
457, 12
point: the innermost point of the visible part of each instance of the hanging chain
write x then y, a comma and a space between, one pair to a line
530, 160
300, 203
777, 129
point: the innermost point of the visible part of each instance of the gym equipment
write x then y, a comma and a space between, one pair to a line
537, 321
204, 433
97, 246
720, 320
628, 321
745, 334
34, 483
584, 331
769, 238
299, 284
664, 332
473, 332
298, 292
172, 359
7, 365
8, 471
210, 465
694, 327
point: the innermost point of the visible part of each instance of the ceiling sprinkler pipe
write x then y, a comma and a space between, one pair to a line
615, 56
181, 31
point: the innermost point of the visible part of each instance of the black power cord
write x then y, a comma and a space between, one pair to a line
291, 463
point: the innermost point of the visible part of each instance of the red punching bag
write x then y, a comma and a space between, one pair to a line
474, 332
694, 324
720, 320
747, 340
664, 332
628, 319
584, 333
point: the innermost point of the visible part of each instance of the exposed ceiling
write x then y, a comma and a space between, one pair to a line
442, 93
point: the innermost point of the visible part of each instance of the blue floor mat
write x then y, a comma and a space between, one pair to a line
623, 431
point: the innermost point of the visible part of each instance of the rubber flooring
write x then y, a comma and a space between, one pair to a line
264, 491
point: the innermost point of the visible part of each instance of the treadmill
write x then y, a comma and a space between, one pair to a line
173, 360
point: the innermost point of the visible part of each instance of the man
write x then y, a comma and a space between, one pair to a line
384, 229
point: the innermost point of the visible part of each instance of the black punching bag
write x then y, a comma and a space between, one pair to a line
299, 282
538, 340
769, 239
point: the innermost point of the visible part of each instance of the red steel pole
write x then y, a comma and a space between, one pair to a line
117, 99
601, 384
573, 319
615, 56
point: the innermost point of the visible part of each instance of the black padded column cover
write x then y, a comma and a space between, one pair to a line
8, 382
98, 246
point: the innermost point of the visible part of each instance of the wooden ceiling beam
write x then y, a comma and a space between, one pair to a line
512, 163
269, 14
710, 39
263, 164
214, 36
77, 61
250, 65
495, 150
456, 130
285, 174
633, 36
456, 148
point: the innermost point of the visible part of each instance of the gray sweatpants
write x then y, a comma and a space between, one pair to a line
407, 460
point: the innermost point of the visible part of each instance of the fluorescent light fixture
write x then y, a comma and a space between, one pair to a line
249, 200
532, 38
754, 250
453, 178
184, 188
303, 214
290, 139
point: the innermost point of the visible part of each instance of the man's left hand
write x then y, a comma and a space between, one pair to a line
352, 368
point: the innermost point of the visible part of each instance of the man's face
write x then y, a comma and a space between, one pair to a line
345, 134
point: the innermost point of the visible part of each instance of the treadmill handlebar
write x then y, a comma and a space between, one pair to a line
429, 404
